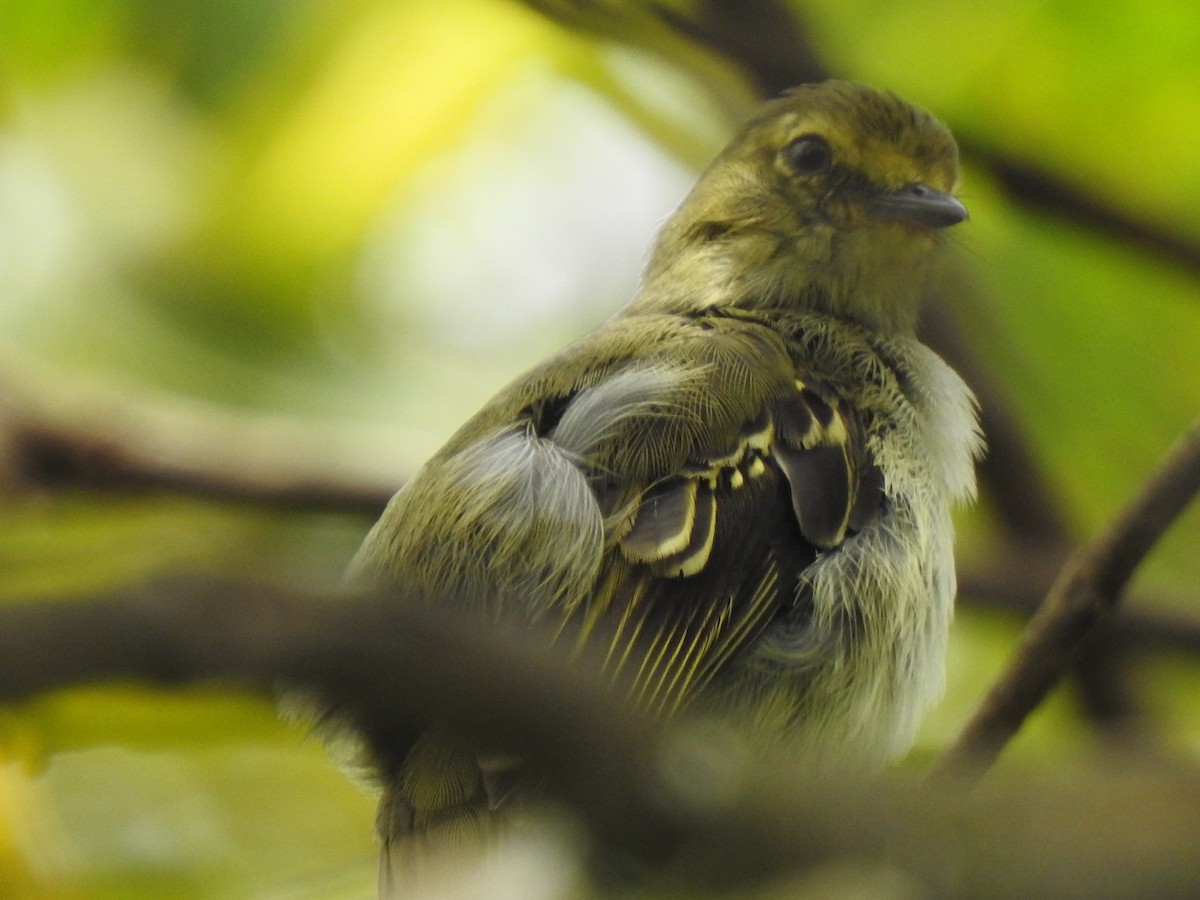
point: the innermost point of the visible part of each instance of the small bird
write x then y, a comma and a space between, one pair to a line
738, 487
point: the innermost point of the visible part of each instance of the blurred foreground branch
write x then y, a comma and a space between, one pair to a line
687, 805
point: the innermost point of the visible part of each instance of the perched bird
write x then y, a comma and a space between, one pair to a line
739, 486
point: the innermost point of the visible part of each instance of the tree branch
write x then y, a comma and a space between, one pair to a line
1018, 580
1085, 593
76, 437
381, 659
687, 806
764, 37
1037, 188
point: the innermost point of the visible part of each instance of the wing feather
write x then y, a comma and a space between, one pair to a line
717, 550
664, 525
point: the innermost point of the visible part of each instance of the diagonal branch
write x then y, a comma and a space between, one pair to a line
1085, 593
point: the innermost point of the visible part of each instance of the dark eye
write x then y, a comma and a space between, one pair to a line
809, 154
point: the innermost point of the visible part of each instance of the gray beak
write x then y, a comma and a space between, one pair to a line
921, 205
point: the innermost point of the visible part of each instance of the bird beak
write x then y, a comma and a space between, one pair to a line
921, 205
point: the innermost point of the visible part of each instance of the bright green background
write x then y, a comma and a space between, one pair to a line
367, 215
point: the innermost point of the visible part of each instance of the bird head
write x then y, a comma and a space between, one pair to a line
833, 197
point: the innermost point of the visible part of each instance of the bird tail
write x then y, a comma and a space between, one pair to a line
444, 800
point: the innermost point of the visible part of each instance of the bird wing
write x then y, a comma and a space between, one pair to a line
721, 482
661, 487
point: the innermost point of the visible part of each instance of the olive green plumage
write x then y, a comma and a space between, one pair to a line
740, 485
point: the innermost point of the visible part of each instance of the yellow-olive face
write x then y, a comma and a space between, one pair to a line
835, 193
874, 163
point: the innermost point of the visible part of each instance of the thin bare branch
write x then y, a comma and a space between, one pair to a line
1085, 593
1018, 579
1038, 188
765, 37
72, 436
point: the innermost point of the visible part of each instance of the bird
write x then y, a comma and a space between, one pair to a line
738, 489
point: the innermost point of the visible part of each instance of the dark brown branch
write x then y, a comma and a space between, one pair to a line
766, 38
1039, 189
1085, 593
382, 660
1017, 581
74, 438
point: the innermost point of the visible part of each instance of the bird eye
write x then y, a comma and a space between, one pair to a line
809, 154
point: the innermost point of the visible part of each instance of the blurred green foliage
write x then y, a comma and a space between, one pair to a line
377, 211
